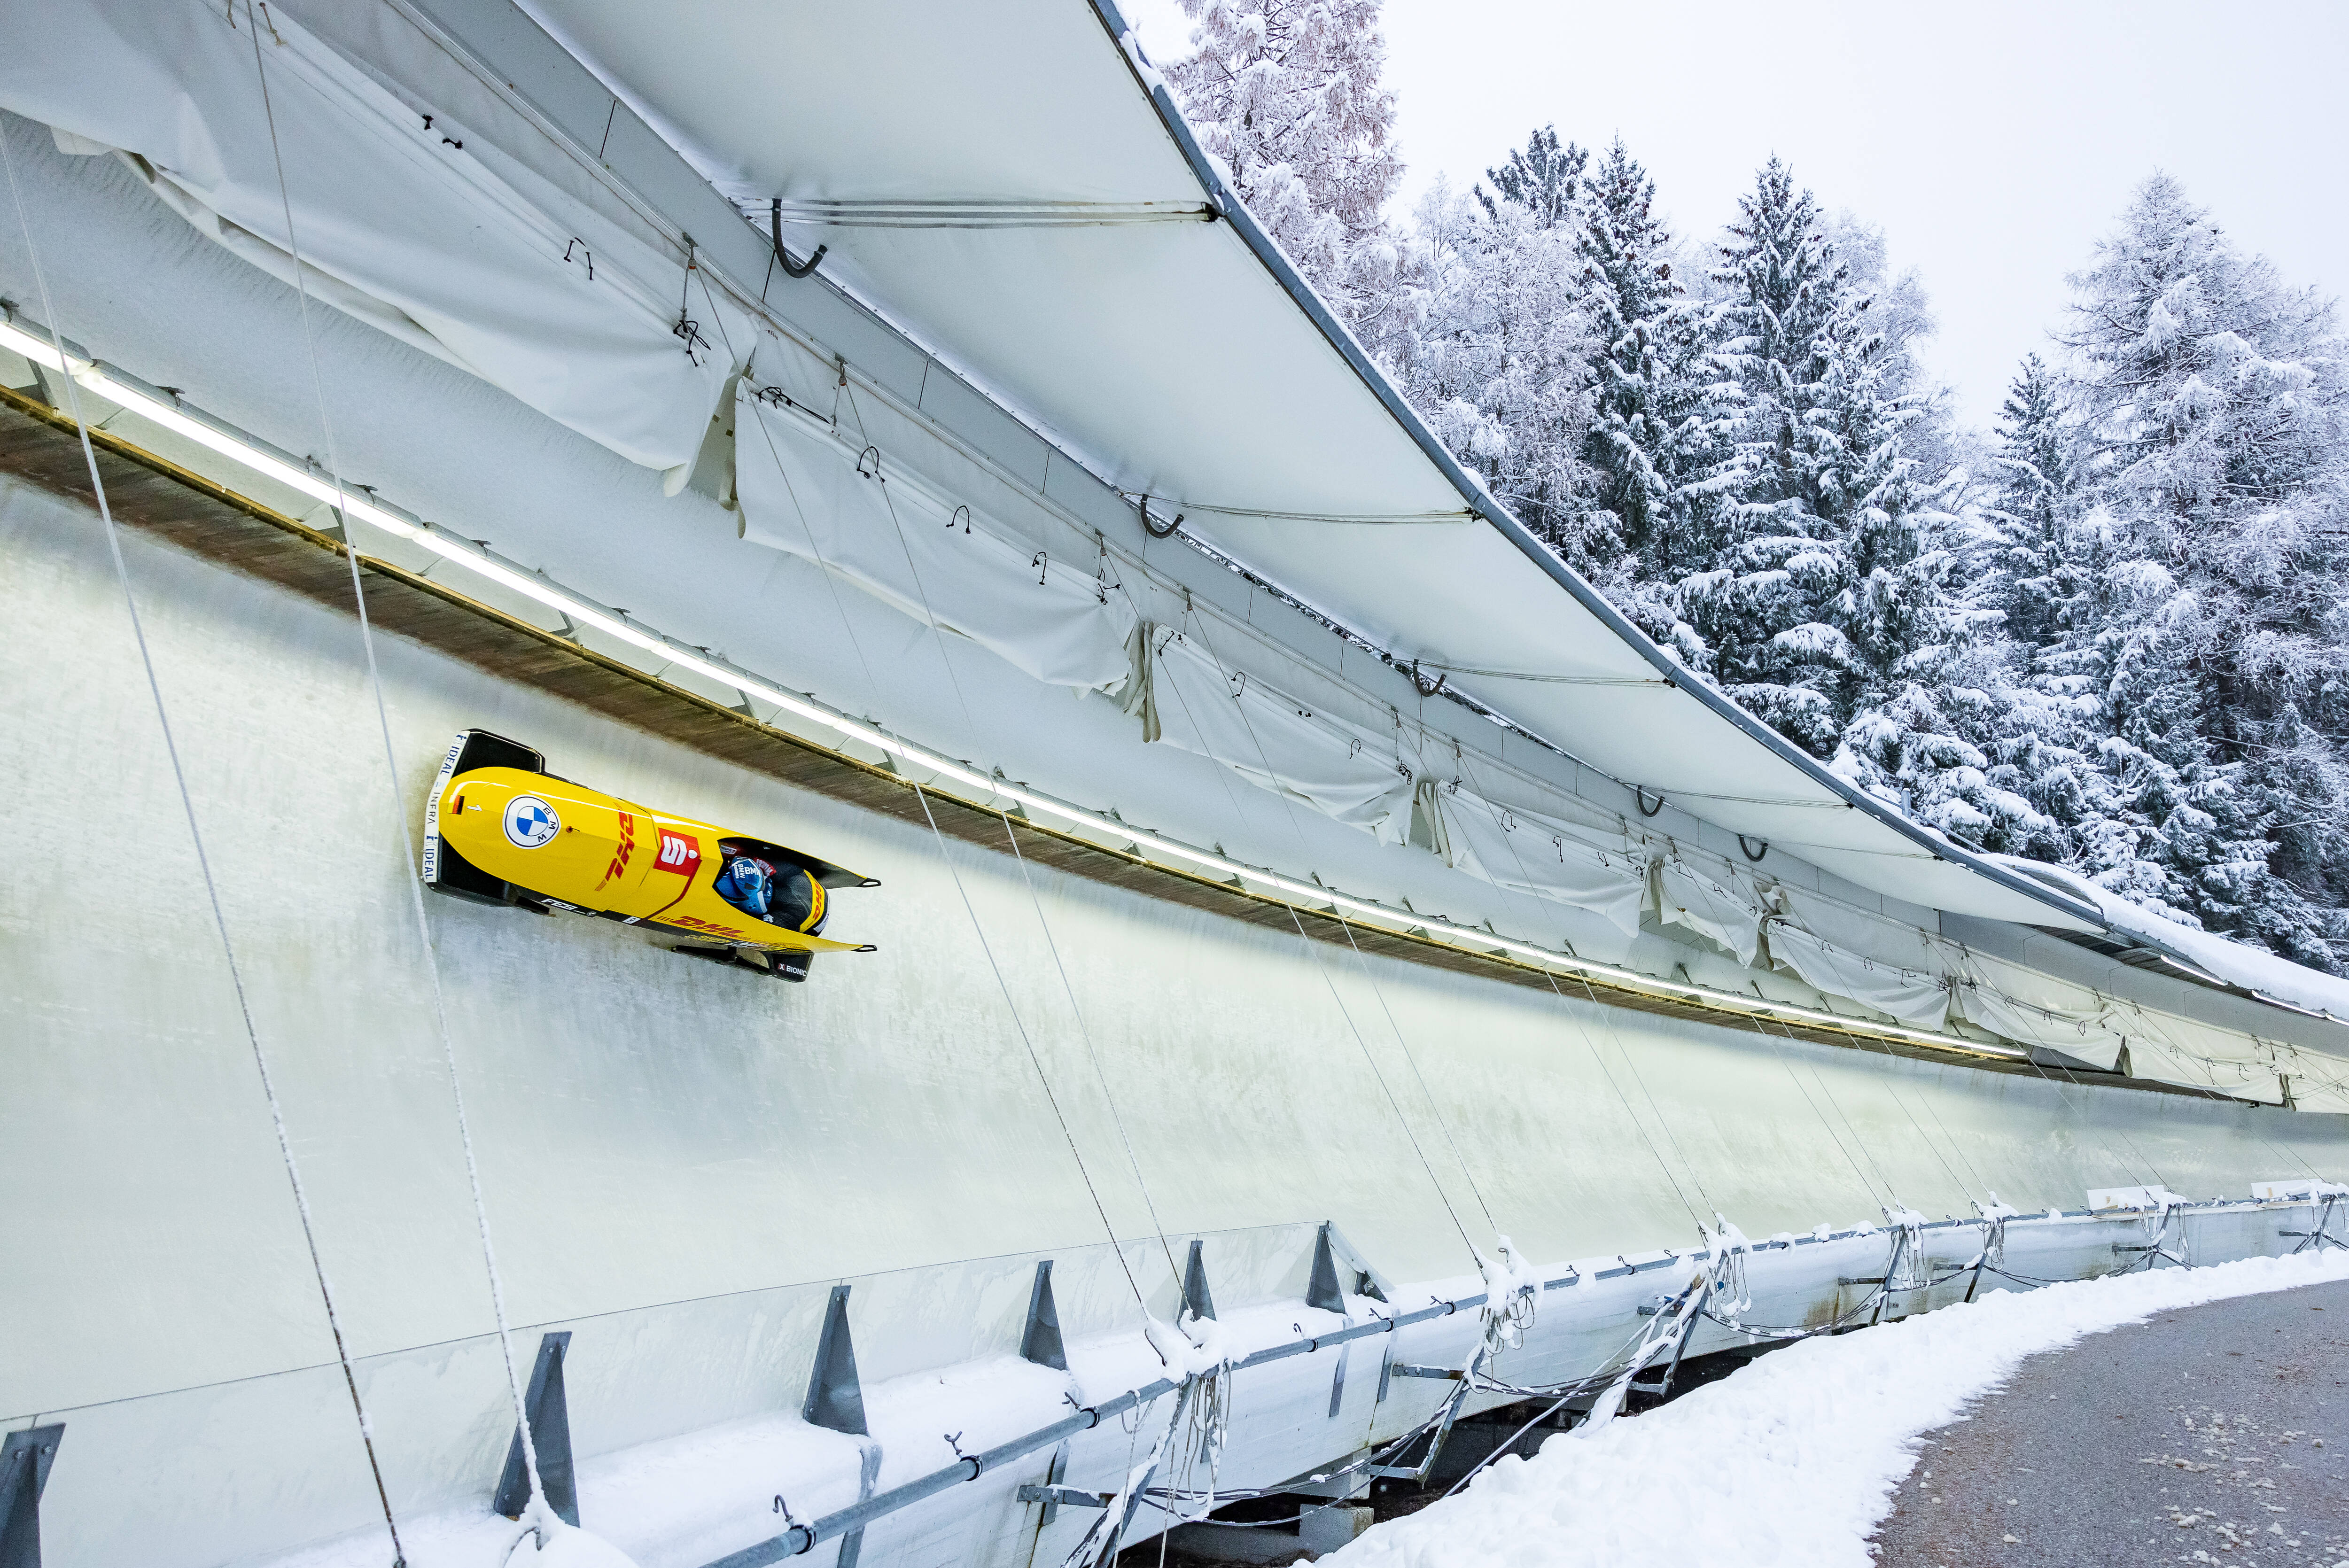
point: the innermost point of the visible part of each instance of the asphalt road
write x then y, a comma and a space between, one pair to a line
2211, 1434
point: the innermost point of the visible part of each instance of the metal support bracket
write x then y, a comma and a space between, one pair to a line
2322, 1236
868, 1477
1063, 1497
1196, 1299
25, 1463
1322, 1291
1040, 1341
1662, 1387
835, 1399
548, 1408
1054, 1472
1891, 1272
1450, 1407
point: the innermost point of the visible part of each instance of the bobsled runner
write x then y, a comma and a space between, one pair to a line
500, 828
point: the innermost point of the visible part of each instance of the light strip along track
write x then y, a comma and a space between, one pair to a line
1427, 938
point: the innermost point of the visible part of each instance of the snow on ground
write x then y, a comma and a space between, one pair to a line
1793, 1459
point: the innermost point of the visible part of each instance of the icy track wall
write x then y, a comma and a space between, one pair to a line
681, 1162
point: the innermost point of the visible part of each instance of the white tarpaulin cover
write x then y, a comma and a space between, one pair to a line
1190, 700
1526, 852
404, 217
1898, 943
2035, 1009
859, 515
2318, 1082
1723, 907
2170, 1049
1915, 997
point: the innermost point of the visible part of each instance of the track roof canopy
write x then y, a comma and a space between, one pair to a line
1012, 184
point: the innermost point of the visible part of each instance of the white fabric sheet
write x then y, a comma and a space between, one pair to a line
2171, 1049
1915, 997
1899, 942
875, 523
426, 231
1721, 906
2035, 1009
2319, 1082
1526, 852
1272, 740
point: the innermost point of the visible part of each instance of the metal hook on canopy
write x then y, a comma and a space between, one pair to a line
1751, 852
874, 453
1640, 793
775, 227
963, 513
1152, 528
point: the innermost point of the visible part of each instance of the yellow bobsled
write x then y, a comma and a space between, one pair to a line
500, 828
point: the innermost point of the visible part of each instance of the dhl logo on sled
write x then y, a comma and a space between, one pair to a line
500, 828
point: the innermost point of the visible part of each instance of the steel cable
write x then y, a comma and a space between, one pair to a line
204, 864
524, 1436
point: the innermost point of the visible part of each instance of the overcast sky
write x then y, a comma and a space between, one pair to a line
1992, 140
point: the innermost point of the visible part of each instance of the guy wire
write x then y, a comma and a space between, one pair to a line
203, 863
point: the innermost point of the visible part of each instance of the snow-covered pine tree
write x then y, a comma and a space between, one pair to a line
2035, 492
1811, 601
2215, 406
1651, 434
2022, 599
1540, 177
1286, 93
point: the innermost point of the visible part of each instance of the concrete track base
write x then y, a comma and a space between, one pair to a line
2210, 1434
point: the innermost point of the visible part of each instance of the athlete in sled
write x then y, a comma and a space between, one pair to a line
500, 828
780, 895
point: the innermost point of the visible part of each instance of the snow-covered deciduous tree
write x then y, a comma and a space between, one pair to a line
1496, 354
1287, 96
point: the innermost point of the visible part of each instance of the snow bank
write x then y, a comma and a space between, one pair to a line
1793, 1459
